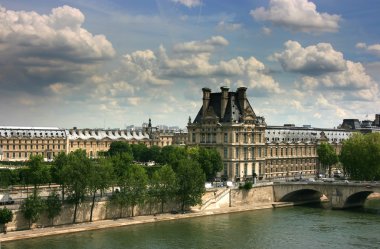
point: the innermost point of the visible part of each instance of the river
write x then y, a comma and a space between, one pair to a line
293, 227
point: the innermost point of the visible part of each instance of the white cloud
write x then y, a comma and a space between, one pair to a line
297, 15
189, 3
372, 49
228, 26
266, 31
311, 60
206, 46
39, 50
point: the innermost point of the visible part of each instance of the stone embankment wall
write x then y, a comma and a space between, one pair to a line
214, 199
102, 210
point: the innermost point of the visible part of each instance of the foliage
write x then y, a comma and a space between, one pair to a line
163, 185
31, 208
6, 215
38, 172
140, 152
327, 156
246, 186
133, 185
172, 155
360, 156
75, 177
100, 177
8, 177
191, 180
119, 147
57, 169
53, 206
120, 163
119, 199
209, 159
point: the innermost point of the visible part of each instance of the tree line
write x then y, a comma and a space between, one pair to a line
179, 175
359, 157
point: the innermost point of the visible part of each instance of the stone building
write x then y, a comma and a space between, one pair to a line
19, 143
248, 146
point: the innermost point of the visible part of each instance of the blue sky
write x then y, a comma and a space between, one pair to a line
116, 63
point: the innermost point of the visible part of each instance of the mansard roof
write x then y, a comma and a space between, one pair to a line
233, 112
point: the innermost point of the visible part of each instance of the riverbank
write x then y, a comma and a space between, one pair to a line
103, 224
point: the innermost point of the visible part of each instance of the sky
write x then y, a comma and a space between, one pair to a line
110, 64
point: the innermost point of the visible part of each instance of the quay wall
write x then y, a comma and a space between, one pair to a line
257, 196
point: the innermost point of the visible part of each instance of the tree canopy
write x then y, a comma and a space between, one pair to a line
360, 156
327, 156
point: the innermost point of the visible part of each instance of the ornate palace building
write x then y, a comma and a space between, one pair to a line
248, 146
19, 143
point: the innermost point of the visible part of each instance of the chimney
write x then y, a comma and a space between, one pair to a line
206, 99
224, 101
377, 120
242, 97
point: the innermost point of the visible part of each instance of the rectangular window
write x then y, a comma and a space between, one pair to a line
225, 169
253, 152
236, 137
225, 152
245, 138
225, 137
259, 137
237, 170
245, 169
193, 138
245, 153
237, 152
259, 152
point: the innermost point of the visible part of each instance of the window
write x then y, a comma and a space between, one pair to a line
259, 152
236, 137
253, 152
193, 137
237, 170
225, 152
237, 152
245, 169
225, 137
245, 138
259, 137
245, 153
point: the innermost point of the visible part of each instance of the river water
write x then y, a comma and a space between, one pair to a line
293, 227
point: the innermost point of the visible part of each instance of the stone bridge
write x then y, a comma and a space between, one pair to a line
339, 194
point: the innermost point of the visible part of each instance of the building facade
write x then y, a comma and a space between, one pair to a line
19, 143
248, 146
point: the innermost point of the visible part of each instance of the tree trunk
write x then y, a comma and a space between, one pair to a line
121, 211
63, 193
162, 206
92, 205
75, 212
133, 208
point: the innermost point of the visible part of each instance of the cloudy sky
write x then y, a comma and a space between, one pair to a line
115, 63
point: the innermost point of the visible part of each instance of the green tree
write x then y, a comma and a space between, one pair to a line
119, 147
6, 216
327, 156
57, 169
154, 153
191, 183
31, 208
134, 185
100, 177
53, 206
38, 172
360, 156
75, 177
140, 152
209, 159
164, 185
119, 199
172, 155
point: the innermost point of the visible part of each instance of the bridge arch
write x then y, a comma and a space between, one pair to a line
303, 196
357, 199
